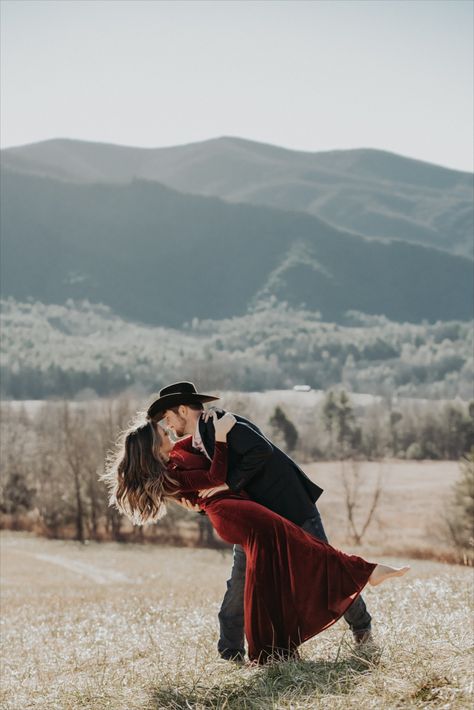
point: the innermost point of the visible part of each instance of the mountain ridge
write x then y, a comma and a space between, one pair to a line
366, 191
146, 250
238, 141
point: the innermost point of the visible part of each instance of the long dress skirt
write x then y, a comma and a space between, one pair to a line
295, 586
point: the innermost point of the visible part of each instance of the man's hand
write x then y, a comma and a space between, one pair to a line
208, 492
185, 503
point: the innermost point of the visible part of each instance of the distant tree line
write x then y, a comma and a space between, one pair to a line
338, 430
64, 351
52, 456
51, 461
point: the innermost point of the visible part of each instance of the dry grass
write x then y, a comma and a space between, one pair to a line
115, 627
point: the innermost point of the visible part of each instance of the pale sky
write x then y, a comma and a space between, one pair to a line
314, 75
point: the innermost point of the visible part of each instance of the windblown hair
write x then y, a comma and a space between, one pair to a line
136, 474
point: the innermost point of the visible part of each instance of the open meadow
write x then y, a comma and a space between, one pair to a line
134, 627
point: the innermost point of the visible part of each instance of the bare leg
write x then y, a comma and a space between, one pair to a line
383, 572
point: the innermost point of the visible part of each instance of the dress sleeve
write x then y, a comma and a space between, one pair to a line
192, 480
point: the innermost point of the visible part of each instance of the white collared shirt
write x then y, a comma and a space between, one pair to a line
197, 441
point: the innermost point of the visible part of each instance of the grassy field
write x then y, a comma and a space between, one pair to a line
134, 627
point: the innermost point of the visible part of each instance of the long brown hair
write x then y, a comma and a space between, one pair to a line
136, 474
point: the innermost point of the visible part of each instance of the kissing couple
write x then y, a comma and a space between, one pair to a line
287, 582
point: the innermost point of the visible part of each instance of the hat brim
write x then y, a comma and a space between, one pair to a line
160, 405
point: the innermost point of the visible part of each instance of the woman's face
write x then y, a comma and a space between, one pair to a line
166, 443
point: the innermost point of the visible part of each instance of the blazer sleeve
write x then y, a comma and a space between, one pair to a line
254, 450
192, 480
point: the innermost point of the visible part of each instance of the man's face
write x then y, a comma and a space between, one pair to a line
176, 422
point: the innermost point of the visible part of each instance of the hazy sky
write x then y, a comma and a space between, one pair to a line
313, 75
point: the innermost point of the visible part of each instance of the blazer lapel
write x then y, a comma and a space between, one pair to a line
207, 440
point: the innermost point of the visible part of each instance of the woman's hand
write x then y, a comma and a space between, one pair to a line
207, 413
185, 503
223, 425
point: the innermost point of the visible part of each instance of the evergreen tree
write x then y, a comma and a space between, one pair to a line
461, 517
285, 426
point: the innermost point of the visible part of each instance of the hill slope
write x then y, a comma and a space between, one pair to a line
155, 255
372, 192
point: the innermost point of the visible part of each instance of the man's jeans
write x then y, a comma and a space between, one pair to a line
231, 614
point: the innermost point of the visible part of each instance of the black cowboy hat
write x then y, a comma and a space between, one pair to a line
176, 394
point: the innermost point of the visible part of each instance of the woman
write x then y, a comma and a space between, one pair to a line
296, 585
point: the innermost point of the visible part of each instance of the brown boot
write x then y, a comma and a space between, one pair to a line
363, 637
365, 646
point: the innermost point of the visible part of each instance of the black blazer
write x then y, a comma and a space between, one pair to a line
263, 471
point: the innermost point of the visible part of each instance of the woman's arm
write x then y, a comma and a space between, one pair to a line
193, 480
190, 481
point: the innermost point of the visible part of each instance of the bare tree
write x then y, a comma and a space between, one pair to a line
74, 447
113, 417
352, 485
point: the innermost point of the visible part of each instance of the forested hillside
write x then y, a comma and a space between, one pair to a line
52, 350
158, 256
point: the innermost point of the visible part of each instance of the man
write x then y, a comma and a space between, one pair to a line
269, 477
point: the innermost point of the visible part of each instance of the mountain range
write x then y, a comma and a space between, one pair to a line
160, 256
369, 192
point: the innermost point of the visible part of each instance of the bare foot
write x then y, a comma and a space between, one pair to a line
383, 572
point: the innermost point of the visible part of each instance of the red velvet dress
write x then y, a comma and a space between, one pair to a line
295, 585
